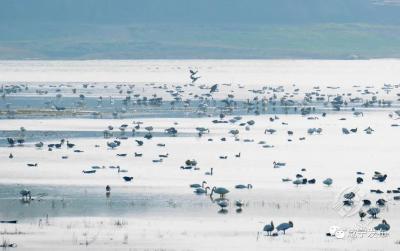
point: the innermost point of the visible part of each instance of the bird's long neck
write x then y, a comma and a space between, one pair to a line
212, 191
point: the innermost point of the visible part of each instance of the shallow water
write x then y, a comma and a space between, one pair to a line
158, 209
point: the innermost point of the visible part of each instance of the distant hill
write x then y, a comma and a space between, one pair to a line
133, 29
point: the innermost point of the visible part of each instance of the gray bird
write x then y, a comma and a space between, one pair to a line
328, 181
284, 226
269, 228
127, 178
139, 142
241, 186
26, 194
384, 226
362, 214
201, 190
219, 190
373, 211
198, 185
349, 196
214, 88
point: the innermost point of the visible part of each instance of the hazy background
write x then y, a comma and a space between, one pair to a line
176, 29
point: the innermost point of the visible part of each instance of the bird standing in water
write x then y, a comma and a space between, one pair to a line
269, 228
284, 226
108, 191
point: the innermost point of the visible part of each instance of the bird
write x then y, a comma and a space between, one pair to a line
353, 130
20, 141
311, 181
278, 164
89, 171
121, 170
345, 131
223, 203
200, 190
362, 214
210, 173
113, 144
366, 202
139, 142
30, 164
349, 196
368, 130
239, 203
270, 131
328, 181
186, 167
198, 185
39, 145
214, 88
222, 191
384, 226
377, 191
194, 78
10, 156
381, 202
298, 182
241, 186
127, 178
138, 154
360, 180
70, 145
108, 191
26, 194
348, 202
269, 228
284, 226
373, 211
379, 177
11, 141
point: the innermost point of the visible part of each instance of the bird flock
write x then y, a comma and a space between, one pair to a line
266, 101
